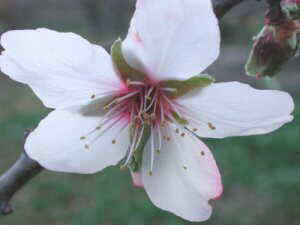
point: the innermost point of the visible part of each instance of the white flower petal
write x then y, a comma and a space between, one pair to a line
172, 38
57, 146
63, 69
184, 178
237, 109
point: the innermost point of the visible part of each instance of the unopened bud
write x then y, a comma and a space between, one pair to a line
273, 47
291, 8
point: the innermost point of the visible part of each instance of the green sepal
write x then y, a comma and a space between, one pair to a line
179, 119
183, 87
126, 72
137, 158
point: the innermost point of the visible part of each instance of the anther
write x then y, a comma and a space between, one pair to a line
93, 96
195, 129
184, 167
82, 138
202, 153
211, 126
113, 141
86, 147
177, 130
123, 167
182, 134
150, 173
158, 151
168, 138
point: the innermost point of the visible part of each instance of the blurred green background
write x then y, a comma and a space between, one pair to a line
261, 174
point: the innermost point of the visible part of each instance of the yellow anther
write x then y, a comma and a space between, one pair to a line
148, 98
211, 126
122, 167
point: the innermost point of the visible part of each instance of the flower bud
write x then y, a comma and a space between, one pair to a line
291, 8
272, 47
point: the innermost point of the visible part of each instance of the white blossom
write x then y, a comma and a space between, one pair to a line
100, 119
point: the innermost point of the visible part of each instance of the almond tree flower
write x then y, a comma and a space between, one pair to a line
144, 106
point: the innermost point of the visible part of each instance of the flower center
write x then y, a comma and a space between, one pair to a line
151, 116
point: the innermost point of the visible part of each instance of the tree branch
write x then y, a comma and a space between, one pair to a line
25, 168
15, 178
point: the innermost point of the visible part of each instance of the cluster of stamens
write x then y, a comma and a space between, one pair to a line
142, 107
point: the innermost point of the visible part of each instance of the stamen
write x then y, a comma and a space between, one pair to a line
159, 139
105, 94
153, 100
169, 89
135, 142
174, 106
152, 149
106, 129
162, 114
128, 82
126, 96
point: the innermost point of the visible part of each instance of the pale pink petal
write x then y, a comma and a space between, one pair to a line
236, 109
184, 178
57, 143
172, 38
63, 69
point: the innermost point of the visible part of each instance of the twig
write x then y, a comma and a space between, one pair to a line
15, 178
25, 168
